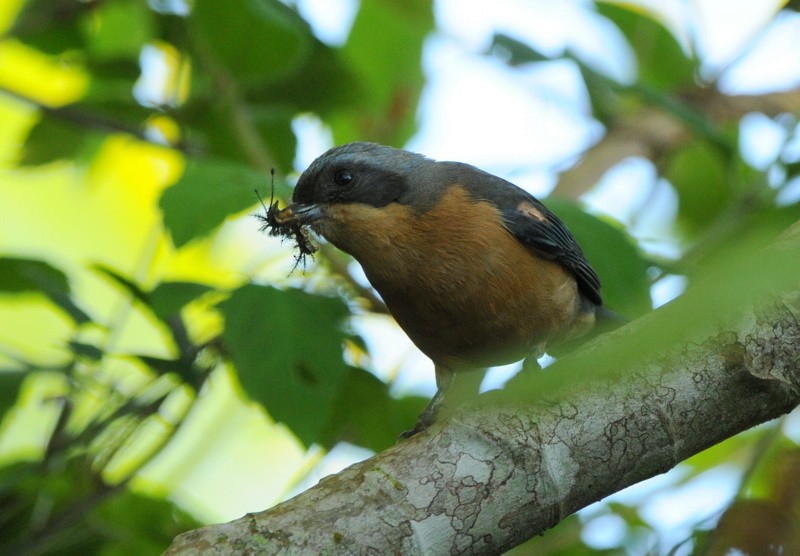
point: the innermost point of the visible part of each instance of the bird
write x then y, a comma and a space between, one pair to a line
475, 270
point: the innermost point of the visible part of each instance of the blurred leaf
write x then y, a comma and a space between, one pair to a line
365, 414
287, 348
132, 523
49, 25
126, 283
698, 173
603, 92
629, 514
738, 449
256, 40
165, 300
275, 128
168, 298
185, 368
65, 302
210, 126
763, 520
792, 171
115, 523
15, 501
110, 93
773, 465
24, 486
117, 29
613, 255
754, 527
88, 351
163, 366
515, 52
53, 138
564, 540
207, 193
744, 270
384, 51
28, 275
385, 45
325, 85
662, 63
10, 383
128, 70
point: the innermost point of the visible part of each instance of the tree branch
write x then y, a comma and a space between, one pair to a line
494, 476
627, 406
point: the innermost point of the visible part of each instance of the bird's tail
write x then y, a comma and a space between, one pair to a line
606, 316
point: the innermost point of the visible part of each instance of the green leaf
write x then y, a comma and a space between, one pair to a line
183, 368
287, 349
27, 275
49, 25
613, 255
168, 298
662, 62
210, 125
165, 300
133, 523
384, 51
10, 384
325, 85
53, 138
275, 128
515, 52
88, 351
365, 414
385, 45
256, 40
117, 29
123, 281
116, 523
564, 540
110, 92
207, 193
66, 304
698, 173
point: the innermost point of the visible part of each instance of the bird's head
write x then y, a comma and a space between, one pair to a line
358, 173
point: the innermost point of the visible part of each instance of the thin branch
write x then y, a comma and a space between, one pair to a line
241, 121
88, 118
45, 539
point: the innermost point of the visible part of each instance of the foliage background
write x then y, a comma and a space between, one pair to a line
162, 366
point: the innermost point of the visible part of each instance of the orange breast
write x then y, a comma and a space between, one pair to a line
464, 289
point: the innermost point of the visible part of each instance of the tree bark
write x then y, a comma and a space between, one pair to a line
495, 475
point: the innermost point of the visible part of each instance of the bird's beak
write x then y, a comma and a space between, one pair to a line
300, 214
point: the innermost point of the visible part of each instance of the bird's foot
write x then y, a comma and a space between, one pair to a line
427, 417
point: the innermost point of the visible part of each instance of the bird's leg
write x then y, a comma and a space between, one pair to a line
452, 389
531, 362
444, 379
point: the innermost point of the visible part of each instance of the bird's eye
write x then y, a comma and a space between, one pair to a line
342, 177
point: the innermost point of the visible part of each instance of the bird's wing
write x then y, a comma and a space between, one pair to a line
528, 220
536, 226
